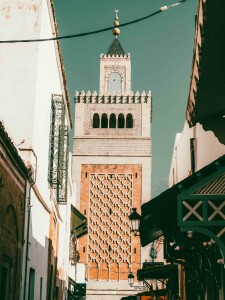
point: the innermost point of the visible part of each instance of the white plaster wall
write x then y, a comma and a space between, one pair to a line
18, 72
173, 167
38, 253
30, 73
48, 82
63, 241
181, 156
64, 231
207, 149
78, 273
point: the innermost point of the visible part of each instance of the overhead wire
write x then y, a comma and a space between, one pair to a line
162, 9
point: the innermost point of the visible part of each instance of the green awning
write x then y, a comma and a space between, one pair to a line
78, 223
157, 272
159, 215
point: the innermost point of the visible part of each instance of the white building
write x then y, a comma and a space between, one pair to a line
194, 149
36, 112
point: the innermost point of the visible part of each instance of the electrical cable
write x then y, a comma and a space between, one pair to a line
162, 9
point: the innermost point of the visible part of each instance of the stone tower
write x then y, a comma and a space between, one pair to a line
112, 173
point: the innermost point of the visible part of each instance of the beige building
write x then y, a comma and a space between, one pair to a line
112, 173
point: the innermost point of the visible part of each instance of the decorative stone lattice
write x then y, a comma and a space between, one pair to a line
109, 229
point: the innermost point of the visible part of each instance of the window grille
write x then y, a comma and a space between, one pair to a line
58, 152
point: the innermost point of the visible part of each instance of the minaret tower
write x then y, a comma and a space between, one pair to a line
111, 172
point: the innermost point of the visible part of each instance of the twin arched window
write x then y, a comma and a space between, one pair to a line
113, 121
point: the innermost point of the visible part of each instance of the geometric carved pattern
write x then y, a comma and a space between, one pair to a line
109, 228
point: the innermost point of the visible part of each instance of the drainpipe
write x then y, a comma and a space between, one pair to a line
28, 219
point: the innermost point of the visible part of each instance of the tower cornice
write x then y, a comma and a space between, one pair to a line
95, 98
110, 56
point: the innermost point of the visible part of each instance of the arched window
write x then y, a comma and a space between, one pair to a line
115, 83
121, 121
129, 121
112, 121
104, 123
96, 121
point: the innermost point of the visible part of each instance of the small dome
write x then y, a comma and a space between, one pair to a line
116, 31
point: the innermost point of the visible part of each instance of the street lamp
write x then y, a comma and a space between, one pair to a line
134, 217
136, 287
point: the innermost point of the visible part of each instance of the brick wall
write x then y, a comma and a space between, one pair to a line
12, 213
108, 192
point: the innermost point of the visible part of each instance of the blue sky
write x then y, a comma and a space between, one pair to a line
161, 51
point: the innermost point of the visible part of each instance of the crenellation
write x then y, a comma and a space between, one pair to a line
95, 98
109, 56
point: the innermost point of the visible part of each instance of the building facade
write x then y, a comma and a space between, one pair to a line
35, 108
112, 173
13, 183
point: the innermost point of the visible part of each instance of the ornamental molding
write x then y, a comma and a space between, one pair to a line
112, 147
116, 69
95, 98
111, 57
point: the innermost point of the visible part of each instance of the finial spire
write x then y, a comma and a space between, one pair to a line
116, 30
